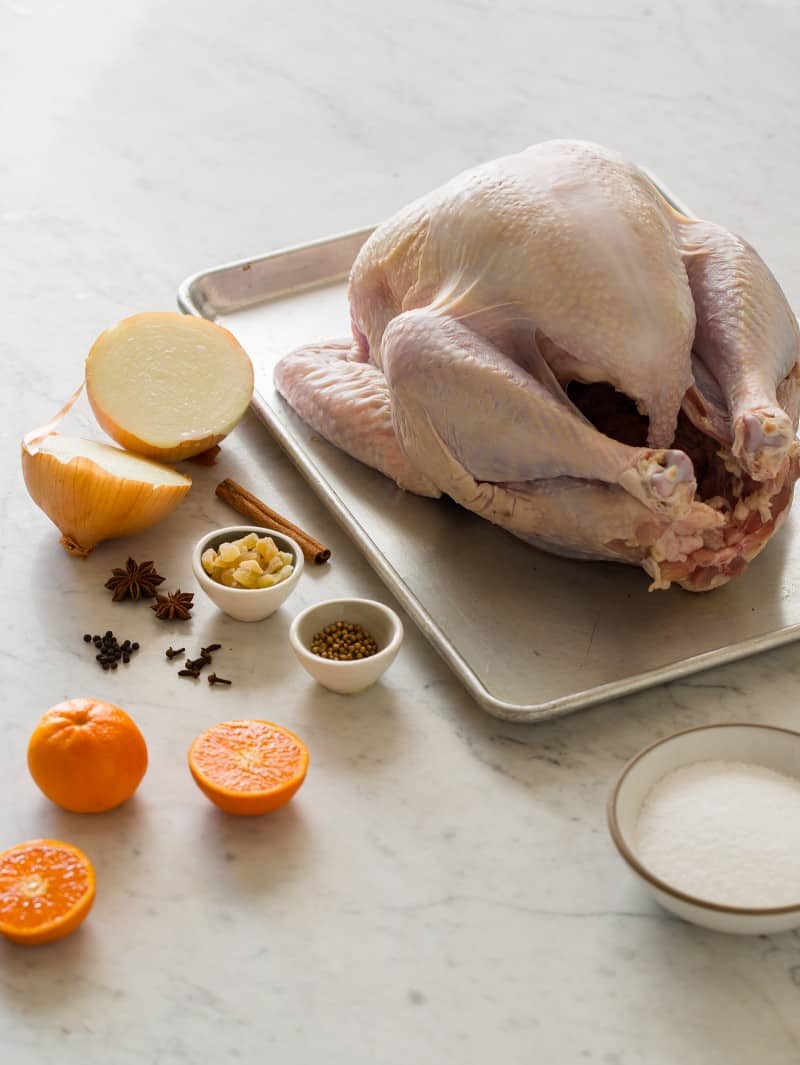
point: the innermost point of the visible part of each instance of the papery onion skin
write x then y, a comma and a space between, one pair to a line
191, 445
89, 504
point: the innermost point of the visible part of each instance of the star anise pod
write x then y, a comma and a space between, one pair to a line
174, 605
138, 580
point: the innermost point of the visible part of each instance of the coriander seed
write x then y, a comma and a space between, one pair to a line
343, 641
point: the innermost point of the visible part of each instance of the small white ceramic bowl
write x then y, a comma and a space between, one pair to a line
763, 745
246, 604
347, 678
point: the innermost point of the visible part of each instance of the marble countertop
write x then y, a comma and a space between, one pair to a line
443, 888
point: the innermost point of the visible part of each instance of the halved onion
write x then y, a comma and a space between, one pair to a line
168, 385
95, 492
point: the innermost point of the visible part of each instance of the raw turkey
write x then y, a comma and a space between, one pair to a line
545, 340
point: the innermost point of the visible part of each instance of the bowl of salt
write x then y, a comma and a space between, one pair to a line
709, 821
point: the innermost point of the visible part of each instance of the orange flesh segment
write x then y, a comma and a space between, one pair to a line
41, 883
247, 757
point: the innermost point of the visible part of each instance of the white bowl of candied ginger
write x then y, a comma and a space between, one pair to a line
247, 571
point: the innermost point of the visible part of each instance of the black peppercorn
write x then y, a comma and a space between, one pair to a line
110, 652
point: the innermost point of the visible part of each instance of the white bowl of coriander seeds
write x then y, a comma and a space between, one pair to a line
709, 820
346, 644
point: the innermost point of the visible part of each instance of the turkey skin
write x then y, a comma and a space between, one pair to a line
548, 342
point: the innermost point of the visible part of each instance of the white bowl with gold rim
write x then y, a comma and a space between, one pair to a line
347, 678
767, 746
246, 604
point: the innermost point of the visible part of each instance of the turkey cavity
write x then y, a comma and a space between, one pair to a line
614, 414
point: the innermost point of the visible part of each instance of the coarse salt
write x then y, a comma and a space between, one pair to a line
725, 832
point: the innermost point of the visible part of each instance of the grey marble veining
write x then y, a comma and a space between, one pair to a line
442, 888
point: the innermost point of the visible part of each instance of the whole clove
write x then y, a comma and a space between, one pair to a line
192, 667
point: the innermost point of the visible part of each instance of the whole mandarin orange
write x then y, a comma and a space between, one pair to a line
87, 756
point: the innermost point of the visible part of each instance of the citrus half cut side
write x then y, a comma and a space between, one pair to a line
47, 888
248, 767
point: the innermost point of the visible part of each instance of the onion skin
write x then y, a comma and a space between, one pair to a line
89, 504
183, 449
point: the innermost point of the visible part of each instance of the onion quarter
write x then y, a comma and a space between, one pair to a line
95, 492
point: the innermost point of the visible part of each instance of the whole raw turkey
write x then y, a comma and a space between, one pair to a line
547, 341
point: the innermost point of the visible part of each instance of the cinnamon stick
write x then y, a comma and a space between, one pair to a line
250, 506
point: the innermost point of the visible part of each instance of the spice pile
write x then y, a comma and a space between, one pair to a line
110, 650
139, 580
192, 667
343, 641
136, 581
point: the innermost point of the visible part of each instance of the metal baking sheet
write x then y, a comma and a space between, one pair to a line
530, 635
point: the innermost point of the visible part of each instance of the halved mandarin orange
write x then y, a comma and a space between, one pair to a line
46, 890
248, 767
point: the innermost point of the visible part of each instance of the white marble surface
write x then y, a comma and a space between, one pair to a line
443, 887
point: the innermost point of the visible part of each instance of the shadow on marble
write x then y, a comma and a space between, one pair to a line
110, 839
255, 856
587, 749
362, 733
38, 981
129, 821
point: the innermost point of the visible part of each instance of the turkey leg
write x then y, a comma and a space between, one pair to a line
501, 425
746, 342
